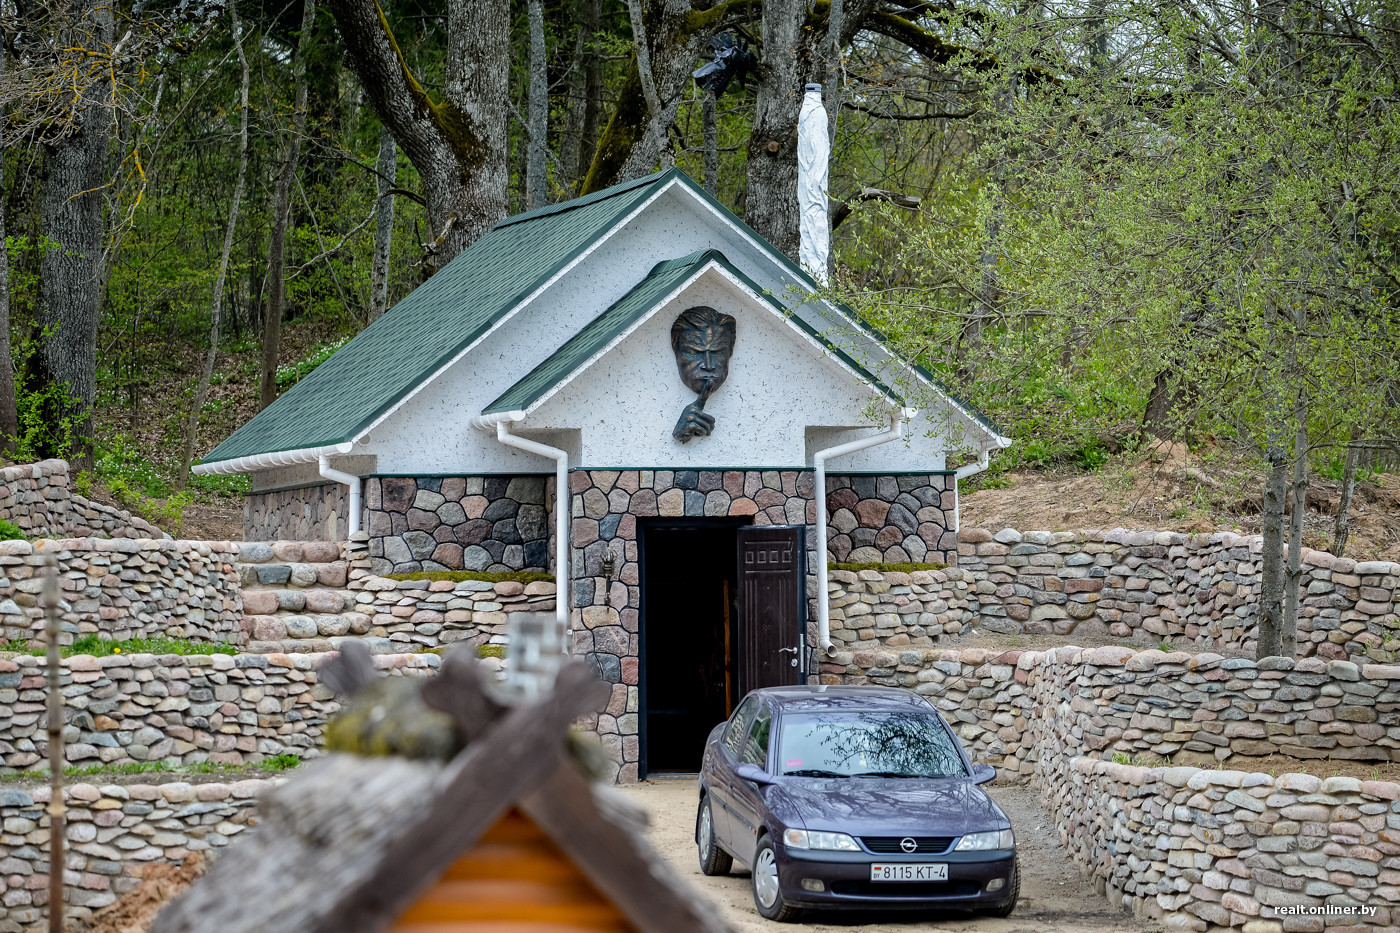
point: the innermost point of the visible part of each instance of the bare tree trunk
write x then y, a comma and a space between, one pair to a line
70, 270
1342, 530
388, 168
281, 216
1272, 577
459, 146
216, 305
772, 171
537, 164
707, 113
1298, 493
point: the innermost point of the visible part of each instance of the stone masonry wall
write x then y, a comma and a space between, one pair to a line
38, 498
891, 519
303, 513
124, 588
179, 709
113, 834
1184, 846
493, 523
1201, 590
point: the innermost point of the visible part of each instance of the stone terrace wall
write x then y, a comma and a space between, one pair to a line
1202, 850
125, 588
1193, 589
303, 513
180, 709
114, 833
1182, 845
37, 498
494, 523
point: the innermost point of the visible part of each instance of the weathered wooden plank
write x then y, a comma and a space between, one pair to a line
616, 858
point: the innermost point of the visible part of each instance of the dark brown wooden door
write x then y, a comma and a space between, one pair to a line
772, 605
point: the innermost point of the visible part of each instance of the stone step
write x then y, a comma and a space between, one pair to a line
260, 601
299, 575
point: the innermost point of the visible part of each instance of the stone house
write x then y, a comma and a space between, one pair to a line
694, 393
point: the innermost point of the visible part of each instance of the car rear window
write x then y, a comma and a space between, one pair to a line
867, 744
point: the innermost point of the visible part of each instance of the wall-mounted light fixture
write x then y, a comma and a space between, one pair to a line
608, 564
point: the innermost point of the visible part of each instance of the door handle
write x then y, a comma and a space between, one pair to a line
793, 650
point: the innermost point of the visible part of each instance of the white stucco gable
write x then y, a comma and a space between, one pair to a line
625, 400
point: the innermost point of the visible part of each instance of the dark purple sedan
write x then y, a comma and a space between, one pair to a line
852, 797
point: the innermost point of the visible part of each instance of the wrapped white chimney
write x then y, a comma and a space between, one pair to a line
813, 155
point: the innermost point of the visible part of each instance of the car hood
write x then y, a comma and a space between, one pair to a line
893, 806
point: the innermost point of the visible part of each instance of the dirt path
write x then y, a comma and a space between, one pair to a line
1054, 896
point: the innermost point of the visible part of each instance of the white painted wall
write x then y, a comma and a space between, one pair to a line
431, 433
627, 403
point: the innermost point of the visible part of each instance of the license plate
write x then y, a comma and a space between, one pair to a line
909, 871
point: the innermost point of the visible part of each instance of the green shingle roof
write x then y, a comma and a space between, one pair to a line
395, 354
664, 278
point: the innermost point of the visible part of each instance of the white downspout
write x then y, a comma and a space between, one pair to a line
819, 459
562, 591
963, 472
349, 479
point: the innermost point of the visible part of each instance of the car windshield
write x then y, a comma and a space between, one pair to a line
867, 744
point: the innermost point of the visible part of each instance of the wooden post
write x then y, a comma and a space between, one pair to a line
57, 811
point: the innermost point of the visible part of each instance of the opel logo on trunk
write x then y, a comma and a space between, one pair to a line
908, 844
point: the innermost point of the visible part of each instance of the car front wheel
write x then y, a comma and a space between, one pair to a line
713, 859
767, 896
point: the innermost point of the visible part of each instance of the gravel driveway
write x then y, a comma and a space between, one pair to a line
1054, 896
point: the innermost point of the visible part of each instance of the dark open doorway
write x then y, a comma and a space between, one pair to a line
689, 635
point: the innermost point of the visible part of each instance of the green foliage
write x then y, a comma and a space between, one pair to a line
490, 651
82, 483
895, 567
459, 576
292, 373
99, 647
9, 531
273, 764
215, 485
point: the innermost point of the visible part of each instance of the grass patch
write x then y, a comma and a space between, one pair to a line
272, 765
99, 647
9, 531
460, 576
885, 568
490, 651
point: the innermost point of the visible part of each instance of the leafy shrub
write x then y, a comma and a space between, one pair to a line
209, 484
9, 531
458, 576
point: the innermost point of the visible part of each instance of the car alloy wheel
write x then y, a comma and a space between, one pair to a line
767, 896
713, 859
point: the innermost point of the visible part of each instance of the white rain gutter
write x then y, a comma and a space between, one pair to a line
963, 472
349, 479
501, 421
255, 462
896, 431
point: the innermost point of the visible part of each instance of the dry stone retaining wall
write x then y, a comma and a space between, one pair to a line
1201, 590
315, 512
113, 833
124, 588
179, 709
37, 498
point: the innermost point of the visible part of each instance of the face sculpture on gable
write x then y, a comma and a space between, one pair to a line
703, 340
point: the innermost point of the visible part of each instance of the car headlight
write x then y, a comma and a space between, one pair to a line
802, 839
986, 842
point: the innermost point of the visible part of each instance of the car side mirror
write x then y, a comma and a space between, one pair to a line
753, 773
983, 774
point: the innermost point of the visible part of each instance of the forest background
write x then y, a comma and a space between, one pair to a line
1111, 225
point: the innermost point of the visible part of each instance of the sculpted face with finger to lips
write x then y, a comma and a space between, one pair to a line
703, 341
